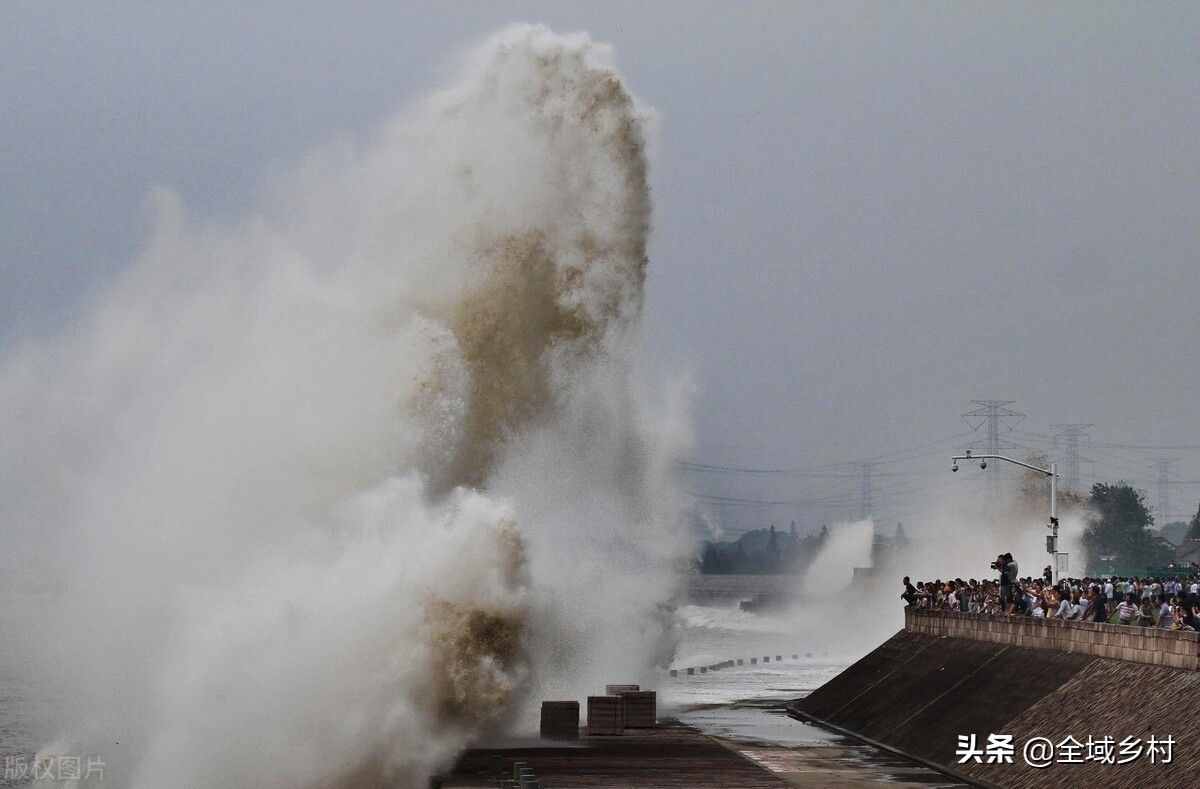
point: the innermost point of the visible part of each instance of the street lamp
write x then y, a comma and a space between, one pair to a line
1052, 473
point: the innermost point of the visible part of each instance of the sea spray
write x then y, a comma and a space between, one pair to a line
832, 571
328, 491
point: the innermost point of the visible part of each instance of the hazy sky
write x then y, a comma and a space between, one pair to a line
867, 215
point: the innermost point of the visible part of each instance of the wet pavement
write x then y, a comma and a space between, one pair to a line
807, 755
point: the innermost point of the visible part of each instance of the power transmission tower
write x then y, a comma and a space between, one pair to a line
1069, 436
1162, 468
993, 414
866, 499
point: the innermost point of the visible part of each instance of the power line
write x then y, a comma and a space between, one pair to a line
765, 502
816, 471
1153, 447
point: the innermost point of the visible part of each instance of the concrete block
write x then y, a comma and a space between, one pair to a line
639, 709
617, 690
604, 715
560, 720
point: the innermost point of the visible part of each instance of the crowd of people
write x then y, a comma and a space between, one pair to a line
1172, 603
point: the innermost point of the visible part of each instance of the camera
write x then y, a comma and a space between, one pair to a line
995, 565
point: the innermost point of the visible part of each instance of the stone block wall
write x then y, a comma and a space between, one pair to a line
1149, 645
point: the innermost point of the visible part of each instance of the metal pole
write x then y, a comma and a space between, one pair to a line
1052, 472
1054, 521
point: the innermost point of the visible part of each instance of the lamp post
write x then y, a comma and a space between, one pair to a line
1052, 473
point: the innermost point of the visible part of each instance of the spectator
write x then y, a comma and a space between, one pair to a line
1146, 614
1127, 611
1065, 609
1084, 603
1168, 603
1099, 607
1165, 617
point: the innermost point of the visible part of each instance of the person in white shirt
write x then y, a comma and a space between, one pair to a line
1064, 609
1082, 605
1127, 611
1108, 589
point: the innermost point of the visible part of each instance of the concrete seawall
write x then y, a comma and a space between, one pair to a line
947, 675
1149, 645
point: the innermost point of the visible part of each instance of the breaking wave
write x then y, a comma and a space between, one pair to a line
365, 474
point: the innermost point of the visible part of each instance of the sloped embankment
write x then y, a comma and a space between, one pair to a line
918, 692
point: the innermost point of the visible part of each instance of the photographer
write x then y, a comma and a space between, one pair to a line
1005, 587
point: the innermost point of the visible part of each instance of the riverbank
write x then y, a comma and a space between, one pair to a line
679, 755
921, 690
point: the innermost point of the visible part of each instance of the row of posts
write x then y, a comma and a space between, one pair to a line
688, 672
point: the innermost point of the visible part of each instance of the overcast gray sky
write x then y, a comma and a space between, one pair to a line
867, 215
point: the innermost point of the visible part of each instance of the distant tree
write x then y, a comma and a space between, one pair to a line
740, 560
710, 562
1174, 532
1119, 527
1193, 532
